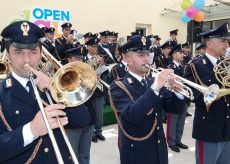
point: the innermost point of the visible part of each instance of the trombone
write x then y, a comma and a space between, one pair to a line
4, 66
72, 85
210, 93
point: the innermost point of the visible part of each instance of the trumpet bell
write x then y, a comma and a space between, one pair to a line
210, 94
73, 84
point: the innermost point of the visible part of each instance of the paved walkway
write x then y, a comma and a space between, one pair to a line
106, 152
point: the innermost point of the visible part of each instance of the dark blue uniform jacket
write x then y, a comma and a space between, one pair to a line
137, 119
19, 108
212, 125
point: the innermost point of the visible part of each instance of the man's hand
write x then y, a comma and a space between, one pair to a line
42, 81
175, 83
162, 78
37, 125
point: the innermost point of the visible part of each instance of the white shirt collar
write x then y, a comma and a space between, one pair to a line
176, 63
89, 56
139, 78
23, 81
124, 63
212, 59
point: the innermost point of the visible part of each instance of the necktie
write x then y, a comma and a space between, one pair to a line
181, 68
218, 61
31, 90
143, 81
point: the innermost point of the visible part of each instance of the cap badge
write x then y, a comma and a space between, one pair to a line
143, 40
25, 28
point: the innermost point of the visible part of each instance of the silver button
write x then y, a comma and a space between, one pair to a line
158, 141
161, 96
131, 145
203, 118
227, 116
209, 80
46, 150
227, 104
158, 128
17, 112
156, 114
70, 157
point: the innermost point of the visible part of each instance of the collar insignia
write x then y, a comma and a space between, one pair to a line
204, 61
130, 81
8, 83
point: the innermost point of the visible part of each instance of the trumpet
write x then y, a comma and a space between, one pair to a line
210, 93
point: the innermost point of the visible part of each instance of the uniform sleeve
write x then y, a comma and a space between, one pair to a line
133, 111
78, 117
190, 76
11, 143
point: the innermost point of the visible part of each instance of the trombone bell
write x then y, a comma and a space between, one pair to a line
4, 69
73, 84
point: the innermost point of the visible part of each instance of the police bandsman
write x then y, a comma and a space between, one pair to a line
137, 105
98, 96
80, 138
164, 59
48, 43
200, 51
211, 126
120, 69
64, 43
173, 37
23, 134
177, 109
187, 53
103, 48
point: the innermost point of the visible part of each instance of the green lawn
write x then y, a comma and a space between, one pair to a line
109, 117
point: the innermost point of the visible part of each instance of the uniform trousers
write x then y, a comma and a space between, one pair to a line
99, 109
212, 152
175, 127
80, 140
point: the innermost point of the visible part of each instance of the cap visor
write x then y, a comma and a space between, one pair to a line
25, 46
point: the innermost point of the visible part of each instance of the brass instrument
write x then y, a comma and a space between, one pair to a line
210, 93
95, 63
4, 67
72, 85
49, 130
222, 73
